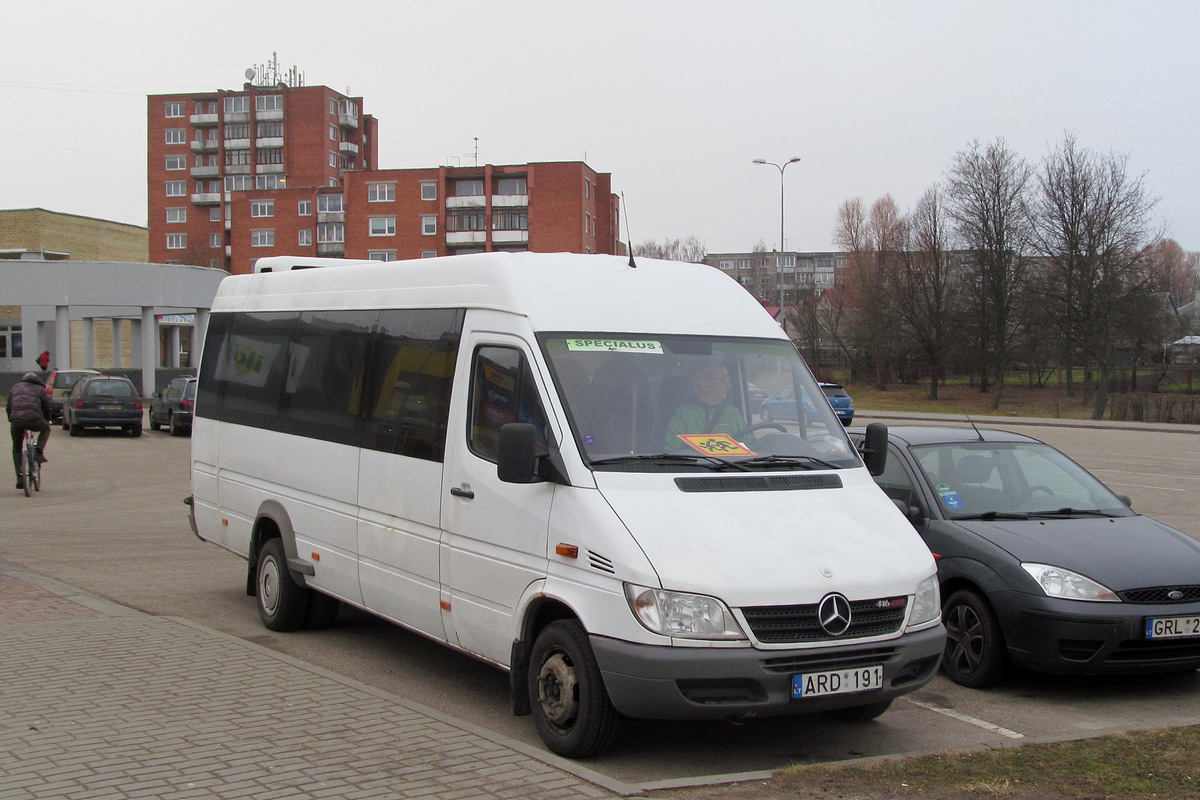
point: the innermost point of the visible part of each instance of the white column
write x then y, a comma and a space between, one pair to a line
118, 343
174, 345
150, 359
89, 342
60, 356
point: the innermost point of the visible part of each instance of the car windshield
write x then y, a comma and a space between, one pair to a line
640, 402
1005, 479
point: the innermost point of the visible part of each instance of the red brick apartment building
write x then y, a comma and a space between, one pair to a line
205, 149
236, 176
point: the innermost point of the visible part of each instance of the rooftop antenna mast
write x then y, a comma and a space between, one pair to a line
477, 151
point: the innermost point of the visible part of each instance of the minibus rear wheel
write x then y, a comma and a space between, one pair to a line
571, 708
282, 603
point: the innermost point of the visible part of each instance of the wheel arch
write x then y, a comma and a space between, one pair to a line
536, 611
271, 522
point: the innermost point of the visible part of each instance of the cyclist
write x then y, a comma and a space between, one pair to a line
28, 410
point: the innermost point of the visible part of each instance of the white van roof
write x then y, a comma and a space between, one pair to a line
556, 291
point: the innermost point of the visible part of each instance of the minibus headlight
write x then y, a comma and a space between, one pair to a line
927, 602
690, 616
1059, 582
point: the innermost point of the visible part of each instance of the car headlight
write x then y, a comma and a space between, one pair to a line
1059, 582
691, 616
927, 602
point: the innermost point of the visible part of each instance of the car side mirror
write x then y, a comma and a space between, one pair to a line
913, 513
874, 448
517, 459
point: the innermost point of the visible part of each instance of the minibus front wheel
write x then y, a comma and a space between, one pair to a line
571, 708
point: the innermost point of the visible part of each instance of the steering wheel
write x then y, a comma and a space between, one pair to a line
760, 426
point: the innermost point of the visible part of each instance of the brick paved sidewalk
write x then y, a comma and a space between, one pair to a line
100, 701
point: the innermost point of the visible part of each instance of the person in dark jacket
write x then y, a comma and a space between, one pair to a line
28, 410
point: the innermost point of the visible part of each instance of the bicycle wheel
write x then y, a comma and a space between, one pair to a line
26, 470
35, 473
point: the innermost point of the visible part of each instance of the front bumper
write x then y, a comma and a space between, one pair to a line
650, 682
1066, 636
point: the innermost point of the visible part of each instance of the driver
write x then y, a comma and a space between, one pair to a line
709, 411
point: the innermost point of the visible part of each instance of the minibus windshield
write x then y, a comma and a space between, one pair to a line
645, 402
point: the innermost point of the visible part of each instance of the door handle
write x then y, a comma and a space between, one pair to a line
462, 492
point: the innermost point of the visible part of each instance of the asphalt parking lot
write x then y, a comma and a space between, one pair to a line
110, 520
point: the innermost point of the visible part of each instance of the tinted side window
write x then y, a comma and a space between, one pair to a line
377, 379
502, 391
411, 369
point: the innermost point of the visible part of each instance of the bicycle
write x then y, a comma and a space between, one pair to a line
31, 468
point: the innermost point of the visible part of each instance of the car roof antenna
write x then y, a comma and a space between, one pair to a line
977, 433
625, 208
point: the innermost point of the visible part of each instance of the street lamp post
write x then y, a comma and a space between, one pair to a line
779, 260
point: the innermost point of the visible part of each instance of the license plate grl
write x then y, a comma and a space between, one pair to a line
838, 681
1172, 627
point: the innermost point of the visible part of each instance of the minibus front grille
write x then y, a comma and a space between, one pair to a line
800, 623
759, 483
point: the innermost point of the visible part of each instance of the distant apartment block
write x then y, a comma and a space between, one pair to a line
781, 279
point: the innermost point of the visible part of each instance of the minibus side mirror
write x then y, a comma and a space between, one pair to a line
517, 456
874, 448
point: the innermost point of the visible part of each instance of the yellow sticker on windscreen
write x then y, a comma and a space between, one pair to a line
716, 444
614, 346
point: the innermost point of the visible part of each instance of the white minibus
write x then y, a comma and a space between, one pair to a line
551, 462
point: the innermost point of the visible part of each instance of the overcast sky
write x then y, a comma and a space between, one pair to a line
674, 99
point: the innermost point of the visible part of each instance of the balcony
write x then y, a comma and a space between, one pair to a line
267, 116
237, 116
348, 149
237, 144
263, 169
206, 172
510, 237
269, 141
331, 248
237, 169
466, 237
207, 198
203, 120
472, 201
510, 200
331, 216
205, 145
348, 121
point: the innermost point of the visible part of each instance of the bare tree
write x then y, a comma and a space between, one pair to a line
1093, 233
690, 249
923, 285
1174, 270
988, 187
873, 241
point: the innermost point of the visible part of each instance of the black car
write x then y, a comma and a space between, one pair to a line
173, 406
103, 401
1041, 565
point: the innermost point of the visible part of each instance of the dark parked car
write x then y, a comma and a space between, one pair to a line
103, 401
782, 405
173, 406
1041, 565
58, 386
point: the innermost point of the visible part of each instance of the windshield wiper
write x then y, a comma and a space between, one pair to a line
808, 462
1072, 512
988, 516
678, 458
